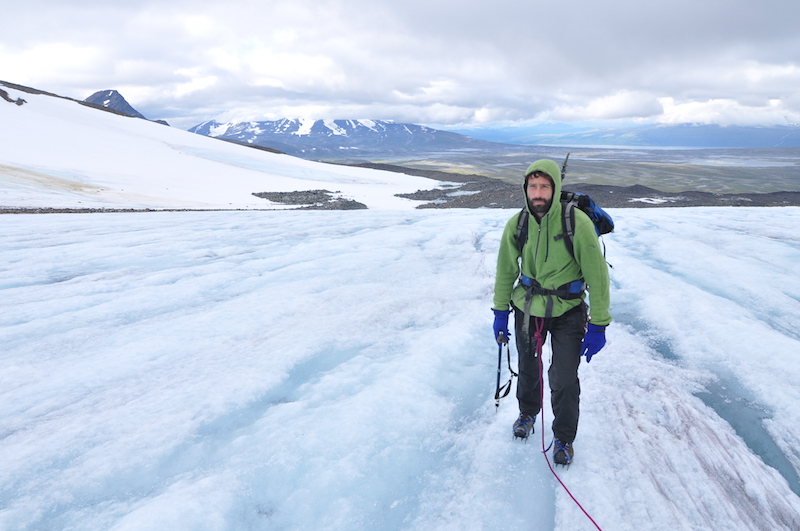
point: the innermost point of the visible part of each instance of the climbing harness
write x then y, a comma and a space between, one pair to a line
570, 290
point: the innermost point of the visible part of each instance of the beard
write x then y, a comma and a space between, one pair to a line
539, 208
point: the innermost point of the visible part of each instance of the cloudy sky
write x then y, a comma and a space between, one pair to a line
435, 62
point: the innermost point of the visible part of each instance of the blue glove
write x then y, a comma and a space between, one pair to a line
593, 341
501, 325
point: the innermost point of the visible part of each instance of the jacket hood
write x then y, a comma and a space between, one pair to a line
550, 168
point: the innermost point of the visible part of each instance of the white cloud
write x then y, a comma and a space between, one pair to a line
727, 112
621, 105
449, 61
199, 25
52, 61
294, 71
196, 83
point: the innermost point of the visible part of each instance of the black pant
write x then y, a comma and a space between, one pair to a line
567, 333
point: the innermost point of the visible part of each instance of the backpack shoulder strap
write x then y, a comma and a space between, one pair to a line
568, 224
521, 236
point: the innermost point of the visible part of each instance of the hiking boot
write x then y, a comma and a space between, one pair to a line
523, 427
562, 453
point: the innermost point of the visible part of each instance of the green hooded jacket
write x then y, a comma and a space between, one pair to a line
547, 260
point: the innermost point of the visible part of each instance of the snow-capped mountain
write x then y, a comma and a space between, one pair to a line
337, 138
111, 99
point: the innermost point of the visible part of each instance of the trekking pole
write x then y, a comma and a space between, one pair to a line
502, 391
501, 338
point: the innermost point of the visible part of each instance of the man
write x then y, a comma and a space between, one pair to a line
544, 285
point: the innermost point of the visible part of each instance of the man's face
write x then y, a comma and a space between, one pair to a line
540, 194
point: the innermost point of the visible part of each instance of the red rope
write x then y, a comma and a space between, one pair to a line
539, 341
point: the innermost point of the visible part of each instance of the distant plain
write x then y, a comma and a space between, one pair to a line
739, 170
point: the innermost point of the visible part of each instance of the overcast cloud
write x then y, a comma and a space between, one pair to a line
442, 62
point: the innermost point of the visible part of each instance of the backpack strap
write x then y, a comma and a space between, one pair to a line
567, 224
521, 235
568, 202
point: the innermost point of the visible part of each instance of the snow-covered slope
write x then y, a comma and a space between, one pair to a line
57, 153
231, 371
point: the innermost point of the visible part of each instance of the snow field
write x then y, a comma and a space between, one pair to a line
335, 370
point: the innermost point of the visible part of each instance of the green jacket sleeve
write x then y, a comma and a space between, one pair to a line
590, 258
507, 266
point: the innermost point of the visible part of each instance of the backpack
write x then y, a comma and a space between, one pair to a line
603, 223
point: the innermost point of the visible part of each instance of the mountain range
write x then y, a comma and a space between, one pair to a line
371, 139
60, 155
338, 139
